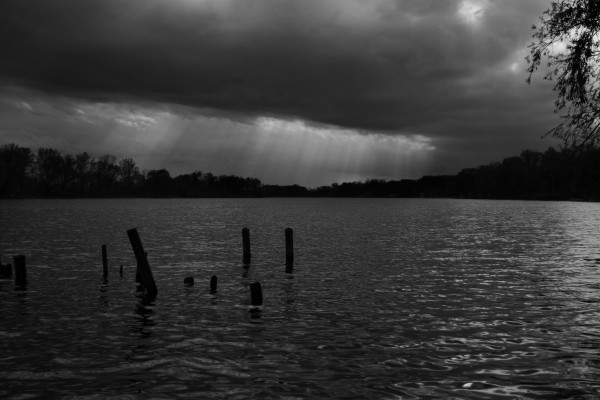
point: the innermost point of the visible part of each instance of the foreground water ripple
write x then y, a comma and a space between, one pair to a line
409, 299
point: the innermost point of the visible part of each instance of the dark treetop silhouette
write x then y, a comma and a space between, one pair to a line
552, 175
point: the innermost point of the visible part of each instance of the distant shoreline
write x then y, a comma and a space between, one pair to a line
574, 200
554, 175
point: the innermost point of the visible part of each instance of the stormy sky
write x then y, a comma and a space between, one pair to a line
288, 91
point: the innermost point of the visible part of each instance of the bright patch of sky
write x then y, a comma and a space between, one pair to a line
276, 151
472, 11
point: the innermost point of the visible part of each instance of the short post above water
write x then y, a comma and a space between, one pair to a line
104, 263
20, 270
289, 249
5, 270
256, 294
142, 261
246, 245
189, 281
213, 284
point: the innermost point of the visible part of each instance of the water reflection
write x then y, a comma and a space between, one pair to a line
145, 310
103, 298
388, 298
290, 294
255, 312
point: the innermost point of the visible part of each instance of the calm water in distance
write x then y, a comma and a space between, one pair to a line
389, 298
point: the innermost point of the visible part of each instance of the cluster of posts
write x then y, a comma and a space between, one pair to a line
255, 288
144, 274
145, 277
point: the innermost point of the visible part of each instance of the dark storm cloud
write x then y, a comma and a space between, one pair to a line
373, 65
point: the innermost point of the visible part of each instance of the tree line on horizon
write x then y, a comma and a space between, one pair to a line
551, 175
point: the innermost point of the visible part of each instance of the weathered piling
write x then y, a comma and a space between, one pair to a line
213, 284
246, 245
5, 270
189, 281
138, 277
104, 263
256, 294
142, 261
20, 270
289, 249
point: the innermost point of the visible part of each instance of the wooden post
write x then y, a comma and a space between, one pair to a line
256, 293
20, 270
104, 262
138, 277
142, 261
5, 271
289, 249
213, 284
189, 281
246, 245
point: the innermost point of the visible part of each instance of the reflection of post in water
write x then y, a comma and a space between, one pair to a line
290, 291
256, 299
144, 310
141, 326
103, 299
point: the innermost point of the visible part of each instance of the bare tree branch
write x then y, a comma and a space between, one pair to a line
568, 38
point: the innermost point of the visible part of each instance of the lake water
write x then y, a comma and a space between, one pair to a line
389, 298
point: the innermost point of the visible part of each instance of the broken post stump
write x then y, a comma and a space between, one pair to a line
20, 270
256, 294
142, 262
5, 271
104, 263
246, 245
213, 284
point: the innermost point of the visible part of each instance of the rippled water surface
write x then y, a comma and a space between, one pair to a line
391, 298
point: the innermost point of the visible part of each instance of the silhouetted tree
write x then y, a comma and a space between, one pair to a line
14, 164
82, 174
129, 176
49, 169
67, 174
104, 172
568, 37
159, 182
